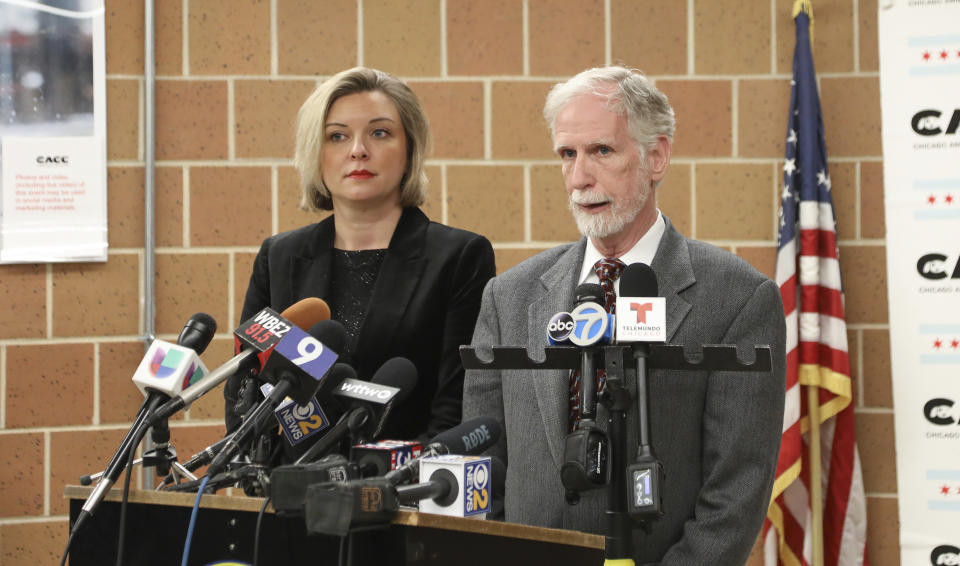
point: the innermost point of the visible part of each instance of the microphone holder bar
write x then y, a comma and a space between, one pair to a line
712, 357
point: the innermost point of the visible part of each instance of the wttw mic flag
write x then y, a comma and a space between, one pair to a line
808, 273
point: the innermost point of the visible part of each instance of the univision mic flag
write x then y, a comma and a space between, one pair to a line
168, 368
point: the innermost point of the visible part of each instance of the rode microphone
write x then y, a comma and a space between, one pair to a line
371, 404
302, 363
642, 320
164, 371
253, 351
467, 438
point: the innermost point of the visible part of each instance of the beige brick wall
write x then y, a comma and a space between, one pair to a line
231, 75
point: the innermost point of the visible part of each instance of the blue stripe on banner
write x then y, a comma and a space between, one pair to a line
934, 505
940, 359
927, 184
928, 40
943, 474
938, 328
936, 214
929, 71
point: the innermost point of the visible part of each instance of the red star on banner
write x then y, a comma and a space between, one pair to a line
948, 198
955, 344
931, 199
945, 490
937, 343
943, 54
926, 55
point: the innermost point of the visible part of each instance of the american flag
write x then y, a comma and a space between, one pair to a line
808, 273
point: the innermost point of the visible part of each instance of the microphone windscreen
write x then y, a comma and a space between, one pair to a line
307, 312
198, 332
589, 293
638, 280
397, 372
331, 334
470, 437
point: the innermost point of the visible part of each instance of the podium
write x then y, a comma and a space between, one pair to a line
224, 533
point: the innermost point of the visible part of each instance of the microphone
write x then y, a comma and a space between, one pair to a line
254, 343
302, 363
197, 332
638, 294
586, 448
377, 458
457, 486
592, 324
164, 371
641, 313
288, 484
373, 400
460, 486
467, 438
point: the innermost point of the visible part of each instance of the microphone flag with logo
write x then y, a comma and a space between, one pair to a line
641, 314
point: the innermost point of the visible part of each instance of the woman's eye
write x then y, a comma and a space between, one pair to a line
380, 133
337, 136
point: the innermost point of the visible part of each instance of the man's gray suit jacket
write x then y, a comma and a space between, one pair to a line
716, 433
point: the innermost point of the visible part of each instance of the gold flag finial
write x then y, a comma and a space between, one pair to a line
805, 6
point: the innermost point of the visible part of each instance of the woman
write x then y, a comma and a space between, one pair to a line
400, 284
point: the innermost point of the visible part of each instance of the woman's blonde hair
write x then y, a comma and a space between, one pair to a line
315, 196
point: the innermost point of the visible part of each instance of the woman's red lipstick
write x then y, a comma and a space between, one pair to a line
360, 174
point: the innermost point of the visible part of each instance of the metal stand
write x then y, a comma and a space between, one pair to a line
621, 508
177, 470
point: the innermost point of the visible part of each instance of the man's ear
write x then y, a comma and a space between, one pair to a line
658, 158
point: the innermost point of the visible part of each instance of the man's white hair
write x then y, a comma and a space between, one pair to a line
628, 92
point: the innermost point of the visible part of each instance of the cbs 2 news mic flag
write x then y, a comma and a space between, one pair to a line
298, 422
470, 477
168, 368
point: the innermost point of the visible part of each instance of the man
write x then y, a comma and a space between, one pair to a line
716, 433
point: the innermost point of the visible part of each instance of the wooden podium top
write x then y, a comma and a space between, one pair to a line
409, 518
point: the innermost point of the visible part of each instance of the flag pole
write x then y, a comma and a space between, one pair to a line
813, 405
816, 489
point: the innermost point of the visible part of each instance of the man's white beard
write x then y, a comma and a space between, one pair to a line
614, 219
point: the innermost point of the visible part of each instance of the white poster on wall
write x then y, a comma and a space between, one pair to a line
53, 180
920, 95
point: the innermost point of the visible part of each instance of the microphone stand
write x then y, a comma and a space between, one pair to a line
616, 397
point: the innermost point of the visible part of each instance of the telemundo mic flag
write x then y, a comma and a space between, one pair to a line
808, 273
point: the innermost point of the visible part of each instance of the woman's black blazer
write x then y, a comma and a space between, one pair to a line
424, 307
